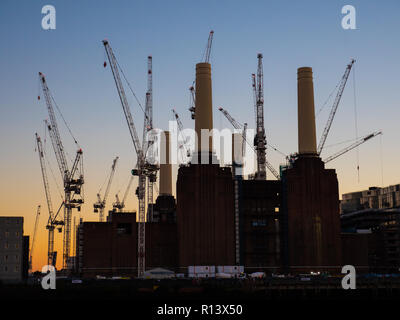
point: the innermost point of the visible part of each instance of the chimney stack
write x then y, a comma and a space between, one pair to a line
306, 115
204, 116
165, 165
237, 155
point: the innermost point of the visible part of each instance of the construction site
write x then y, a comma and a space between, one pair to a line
274, 222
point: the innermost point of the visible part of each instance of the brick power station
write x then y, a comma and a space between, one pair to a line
218, 218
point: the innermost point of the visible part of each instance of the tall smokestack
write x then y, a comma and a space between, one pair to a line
203, 117
165, 166
306, 115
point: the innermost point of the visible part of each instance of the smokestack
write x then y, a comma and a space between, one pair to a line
203, 117
306, 115
165, 165
237, 156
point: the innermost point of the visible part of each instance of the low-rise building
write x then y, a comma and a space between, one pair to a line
11, 249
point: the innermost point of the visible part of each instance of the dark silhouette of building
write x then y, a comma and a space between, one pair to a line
311, 218
205, 215
260, 247
383, 226
110, 248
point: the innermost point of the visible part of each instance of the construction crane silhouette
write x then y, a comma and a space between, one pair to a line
52, 221
239, 126
72, 177
100, 204
352, 146
34, 237
184, 145
335, 107
260, 141
118, 204
144, 168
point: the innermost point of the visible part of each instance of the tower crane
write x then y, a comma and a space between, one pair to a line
144, 169
260, 141
148, 141
353, 145
72, 178
192, 107
52, 222
100, 205
239, 126
121, 204
34, 237
208, 48
335, 106
184, 147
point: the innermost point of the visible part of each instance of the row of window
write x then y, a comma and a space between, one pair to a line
7, 246
8, 220
16, 258
7, 233
6, 269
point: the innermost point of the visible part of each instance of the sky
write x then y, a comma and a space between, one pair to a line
290, 34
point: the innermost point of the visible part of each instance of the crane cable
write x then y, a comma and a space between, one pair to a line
130, 87
356, 123
327, 100
63, 119
381, 155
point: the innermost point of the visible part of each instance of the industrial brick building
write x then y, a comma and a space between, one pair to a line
220, 219
205, 215
310, 194
110, 248
205, 197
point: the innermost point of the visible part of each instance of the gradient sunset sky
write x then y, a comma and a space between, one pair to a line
290, 34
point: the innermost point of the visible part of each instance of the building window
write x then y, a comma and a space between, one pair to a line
16, 246
7, 233
6, 245
276, 209
17, 234
259, 223
16, 269
5, 269
5, 258
124, 228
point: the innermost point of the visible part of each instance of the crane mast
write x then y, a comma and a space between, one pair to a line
185, 149
121, 204
208, 48
100, 205
147, 140
72, 185
51, 222
143, 169
353, 145
34, 236
239, 126
260, 139
335, 106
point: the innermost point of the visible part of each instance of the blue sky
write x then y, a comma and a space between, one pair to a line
290, 34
